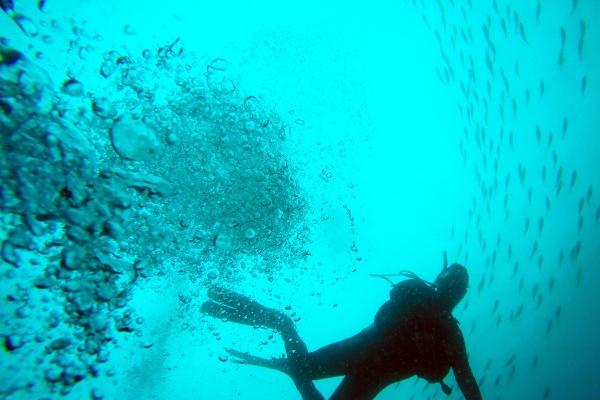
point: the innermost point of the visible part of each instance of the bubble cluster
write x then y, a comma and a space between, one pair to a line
160, 166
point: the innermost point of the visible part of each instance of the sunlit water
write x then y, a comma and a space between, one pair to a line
152, 149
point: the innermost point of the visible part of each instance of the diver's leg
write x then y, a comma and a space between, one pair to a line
242, 309
304, 384
358, 386
342, 357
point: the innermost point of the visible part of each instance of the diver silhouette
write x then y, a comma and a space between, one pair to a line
414, 333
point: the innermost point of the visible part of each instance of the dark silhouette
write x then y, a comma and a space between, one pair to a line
414, 333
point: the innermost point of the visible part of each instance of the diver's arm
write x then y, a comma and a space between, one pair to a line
462, 370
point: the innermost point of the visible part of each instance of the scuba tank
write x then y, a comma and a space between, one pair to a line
407, 296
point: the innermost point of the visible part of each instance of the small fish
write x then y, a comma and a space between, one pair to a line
581, 204
561, 257
563, 37
548, 330
521, 283
522, 172
512, 373
575, 251
582, 30
542, 88
488, 364
486, 31
505, 80
466, 305
534, 247
492, 47
538, 134
544, 173
522, 32
588, 196
573, 180
541, 224
583, 85
538, 11
547, 204
481, 284
488, 63
481, 381
527, 96
558, 188
559, 174
510, 360
561, 57
519, 310
558, 312
550, 137
575, 2
551, 283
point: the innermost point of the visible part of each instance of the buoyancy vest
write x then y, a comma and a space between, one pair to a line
414, 310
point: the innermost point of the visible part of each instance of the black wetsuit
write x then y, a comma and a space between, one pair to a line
411, 335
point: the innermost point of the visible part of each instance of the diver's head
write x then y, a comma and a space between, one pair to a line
452, 284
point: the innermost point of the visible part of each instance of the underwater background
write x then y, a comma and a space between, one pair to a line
288, 150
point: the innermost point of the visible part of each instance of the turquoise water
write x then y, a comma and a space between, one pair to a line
152, 149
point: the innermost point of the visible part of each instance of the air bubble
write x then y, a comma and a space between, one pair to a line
73, 87
26, 25
250, 233
212, 274
132, 139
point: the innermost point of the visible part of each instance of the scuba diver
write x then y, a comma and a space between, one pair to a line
414, 333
